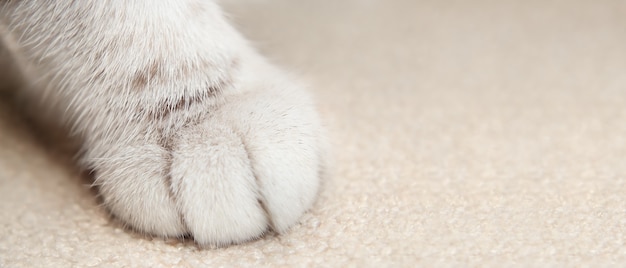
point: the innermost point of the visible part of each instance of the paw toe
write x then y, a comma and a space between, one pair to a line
133, 186
215, 187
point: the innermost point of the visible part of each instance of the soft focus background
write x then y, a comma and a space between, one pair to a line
475, 133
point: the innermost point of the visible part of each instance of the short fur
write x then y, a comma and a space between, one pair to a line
188, 129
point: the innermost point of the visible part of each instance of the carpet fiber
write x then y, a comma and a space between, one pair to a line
478, 133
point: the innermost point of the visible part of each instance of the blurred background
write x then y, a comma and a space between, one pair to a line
464, 132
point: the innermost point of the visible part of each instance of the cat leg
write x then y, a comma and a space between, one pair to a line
189, 131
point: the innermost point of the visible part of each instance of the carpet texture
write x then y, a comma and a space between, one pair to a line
473, 133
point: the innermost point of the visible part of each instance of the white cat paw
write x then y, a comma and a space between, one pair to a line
249, 165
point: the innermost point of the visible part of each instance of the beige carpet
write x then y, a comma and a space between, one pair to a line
478, 133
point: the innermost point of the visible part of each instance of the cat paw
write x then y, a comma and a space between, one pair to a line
248, 165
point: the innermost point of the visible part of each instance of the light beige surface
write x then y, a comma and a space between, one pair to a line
465, 132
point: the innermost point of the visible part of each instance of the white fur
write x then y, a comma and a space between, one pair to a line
188, 129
